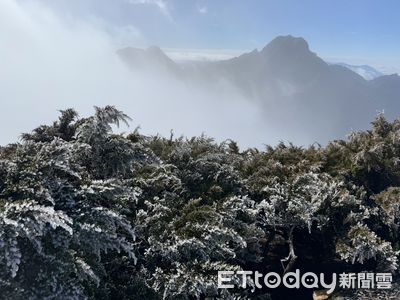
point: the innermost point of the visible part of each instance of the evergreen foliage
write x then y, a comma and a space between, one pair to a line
89, 214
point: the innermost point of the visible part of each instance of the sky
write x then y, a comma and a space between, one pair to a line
357, 31
57, 54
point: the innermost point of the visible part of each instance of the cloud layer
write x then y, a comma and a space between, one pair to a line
50, 63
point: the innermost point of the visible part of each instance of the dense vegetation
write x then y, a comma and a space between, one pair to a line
86, 213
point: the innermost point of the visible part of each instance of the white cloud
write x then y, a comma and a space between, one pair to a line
50, 64
183, 55
203, 9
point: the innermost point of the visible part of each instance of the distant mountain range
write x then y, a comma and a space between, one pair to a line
367, 72
291, 84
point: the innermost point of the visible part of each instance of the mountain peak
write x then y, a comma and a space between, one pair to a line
290, 57
287, 43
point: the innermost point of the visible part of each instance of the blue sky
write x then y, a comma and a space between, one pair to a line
357, 31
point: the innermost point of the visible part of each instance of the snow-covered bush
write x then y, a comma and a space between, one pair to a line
88, 214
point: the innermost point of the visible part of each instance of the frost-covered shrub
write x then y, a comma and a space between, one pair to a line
57, 220
88, 214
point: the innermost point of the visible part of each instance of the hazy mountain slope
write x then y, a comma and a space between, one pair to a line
295, 89
386, 93
152, 59
299, 90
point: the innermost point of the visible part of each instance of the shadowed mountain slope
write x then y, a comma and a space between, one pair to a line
292, 86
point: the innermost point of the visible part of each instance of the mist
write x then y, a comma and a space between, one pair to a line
50, 63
